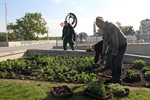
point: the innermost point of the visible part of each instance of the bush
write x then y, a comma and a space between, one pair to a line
144, 69
13, 75
147, 75
138, 64
97, 88
88, 49
133, 75
118, 90
3, 74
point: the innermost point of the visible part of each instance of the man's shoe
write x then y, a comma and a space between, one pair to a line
119, 81
110, 80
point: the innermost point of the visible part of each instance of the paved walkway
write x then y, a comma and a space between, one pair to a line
47, 46
39, 46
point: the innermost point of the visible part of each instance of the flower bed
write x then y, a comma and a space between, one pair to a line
66, 69
49, 68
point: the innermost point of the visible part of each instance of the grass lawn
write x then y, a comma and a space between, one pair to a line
32, 90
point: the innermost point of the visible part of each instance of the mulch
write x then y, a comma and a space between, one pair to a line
104, 75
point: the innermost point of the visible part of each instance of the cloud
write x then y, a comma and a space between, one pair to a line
81, 8
126, 12
58, 1
73, 2
54, 27
62, 1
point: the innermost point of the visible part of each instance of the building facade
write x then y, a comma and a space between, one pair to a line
145, 30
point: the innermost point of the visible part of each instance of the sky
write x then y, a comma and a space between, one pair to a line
127, 12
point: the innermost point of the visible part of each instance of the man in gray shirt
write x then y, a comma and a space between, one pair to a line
115, 39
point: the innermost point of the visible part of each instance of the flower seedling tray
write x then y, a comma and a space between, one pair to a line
62, 91
89, 93
127, 91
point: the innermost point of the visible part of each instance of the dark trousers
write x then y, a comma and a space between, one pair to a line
70, 41
97, 54
117, 63
108, 63
98, 51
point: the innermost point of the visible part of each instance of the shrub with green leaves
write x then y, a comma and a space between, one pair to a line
88, 49
3, 74
117, 88
133, 75
146, 68
97, 88
138, 64
147, 75
13, 75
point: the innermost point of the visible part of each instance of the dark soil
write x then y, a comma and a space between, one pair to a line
104, 74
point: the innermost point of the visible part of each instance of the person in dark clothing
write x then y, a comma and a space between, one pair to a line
68, 35
98, 50
98, 47
115, 40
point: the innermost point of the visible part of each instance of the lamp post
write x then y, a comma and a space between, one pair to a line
94, 31
6, 22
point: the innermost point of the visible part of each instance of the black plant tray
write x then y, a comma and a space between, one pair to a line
127, 91
88, 92
62, 91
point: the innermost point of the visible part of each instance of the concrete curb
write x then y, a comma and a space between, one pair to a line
131, 57
59, 52
137, 49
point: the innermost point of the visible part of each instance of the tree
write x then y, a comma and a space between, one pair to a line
128, 30
82, 36
118, 24
2, 36
29, 26
99, 32
11, 37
